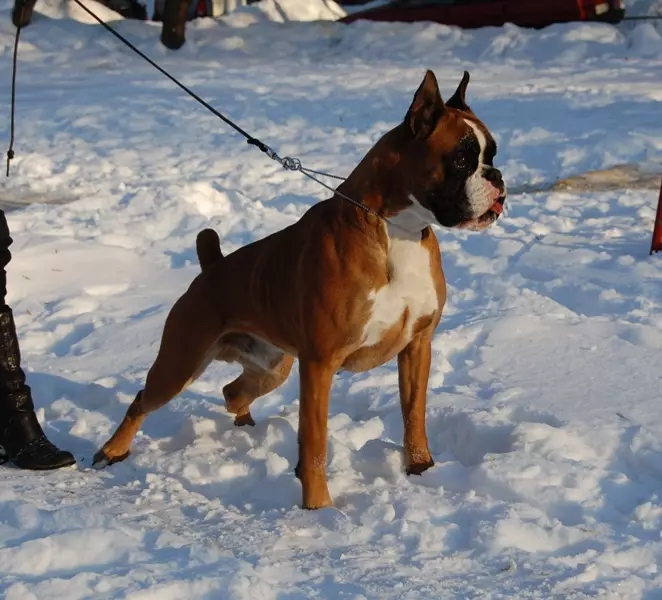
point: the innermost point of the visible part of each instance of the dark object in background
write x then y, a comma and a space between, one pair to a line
195, 9
21, 14
129, 9
490, 13
174, 14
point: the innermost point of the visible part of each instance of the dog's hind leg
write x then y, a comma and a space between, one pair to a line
188, 345
253, 383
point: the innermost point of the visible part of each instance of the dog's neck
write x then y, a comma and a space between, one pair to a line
378, 183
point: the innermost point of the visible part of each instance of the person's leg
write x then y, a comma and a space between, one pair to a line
173, 30
21, 436
21, 14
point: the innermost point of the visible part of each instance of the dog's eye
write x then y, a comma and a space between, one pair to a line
461, 163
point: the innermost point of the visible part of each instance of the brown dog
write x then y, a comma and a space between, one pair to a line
340, 289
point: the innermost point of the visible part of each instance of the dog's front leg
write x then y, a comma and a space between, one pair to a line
413, 374
315, 387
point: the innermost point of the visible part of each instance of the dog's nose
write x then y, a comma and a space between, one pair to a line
494, 177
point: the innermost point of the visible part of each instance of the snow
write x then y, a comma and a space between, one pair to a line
543, 404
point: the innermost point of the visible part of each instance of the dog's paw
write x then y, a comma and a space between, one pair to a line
243, 420
419, 467
101, 460
317, 503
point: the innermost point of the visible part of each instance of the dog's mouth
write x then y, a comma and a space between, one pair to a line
497, 208
488, 218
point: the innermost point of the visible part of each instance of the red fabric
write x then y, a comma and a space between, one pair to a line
656, 244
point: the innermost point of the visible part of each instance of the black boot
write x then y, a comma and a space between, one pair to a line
21, 436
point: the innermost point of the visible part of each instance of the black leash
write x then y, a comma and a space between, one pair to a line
291, 164
288, 163
10, 152
250, 139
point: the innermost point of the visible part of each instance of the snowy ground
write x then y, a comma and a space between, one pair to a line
553, 326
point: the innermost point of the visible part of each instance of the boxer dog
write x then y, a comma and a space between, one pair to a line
342, 288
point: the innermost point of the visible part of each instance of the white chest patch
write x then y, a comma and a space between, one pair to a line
411, 287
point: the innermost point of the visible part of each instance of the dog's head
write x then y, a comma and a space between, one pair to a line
445, 158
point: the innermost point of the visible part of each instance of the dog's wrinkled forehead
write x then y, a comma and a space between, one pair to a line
477, 141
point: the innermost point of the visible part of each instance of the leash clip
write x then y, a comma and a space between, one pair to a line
287, 162
291, 164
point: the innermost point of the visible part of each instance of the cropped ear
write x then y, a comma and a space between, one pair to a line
426, 109
457, 100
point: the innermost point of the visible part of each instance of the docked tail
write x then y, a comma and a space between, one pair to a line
208, 247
